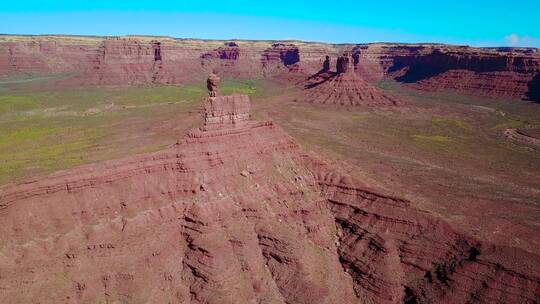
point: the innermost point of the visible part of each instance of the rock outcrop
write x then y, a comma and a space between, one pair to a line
280, 57
226, 111
230, 51
344, 64
344, 87
236, 212
224, 216
326, 64
396, 253
525, 137
212, 84
485, 72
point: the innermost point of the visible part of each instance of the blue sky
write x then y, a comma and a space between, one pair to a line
478, 23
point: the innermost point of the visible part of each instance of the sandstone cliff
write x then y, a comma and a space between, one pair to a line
487, 72
140, 60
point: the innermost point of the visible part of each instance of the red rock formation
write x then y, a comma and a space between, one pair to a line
230, 51
224, 111
326, 64
40, 56
396, 253
486, 72
212, 84
225, 216
237, 213
232, 61
280, 57
279, 53
345, 88
124, 61
128, 61
344, 64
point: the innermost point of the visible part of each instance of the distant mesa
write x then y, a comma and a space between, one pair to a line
491, 72
231, 44
280, 54
229, 51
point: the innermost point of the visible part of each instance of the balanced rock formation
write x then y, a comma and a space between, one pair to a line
236, 212
344, 87
212, 84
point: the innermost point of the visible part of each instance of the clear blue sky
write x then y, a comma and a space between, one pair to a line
479, 23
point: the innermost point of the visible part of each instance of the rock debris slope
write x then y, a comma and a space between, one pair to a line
236, 212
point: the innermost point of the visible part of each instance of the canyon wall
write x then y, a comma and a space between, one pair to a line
139, 60
486, 72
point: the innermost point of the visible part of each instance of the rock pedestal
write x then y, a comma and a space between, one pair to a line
226, 111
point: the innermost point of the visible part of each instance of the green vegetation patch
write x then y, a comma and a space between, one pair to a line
147, 95
432, 138
43, 148
448, 122
47, 130
239, 86
14, 103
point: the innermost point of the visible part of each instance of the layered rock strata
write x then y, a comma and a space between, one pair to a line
486, 72
506, 72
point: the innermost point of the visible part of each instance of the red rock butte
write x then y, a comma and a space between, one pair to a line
344, 87
237, 212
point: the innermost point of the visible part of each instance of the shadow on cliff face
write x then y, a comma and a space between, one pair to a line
533, 86
419, 72
420, 67
290, 57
